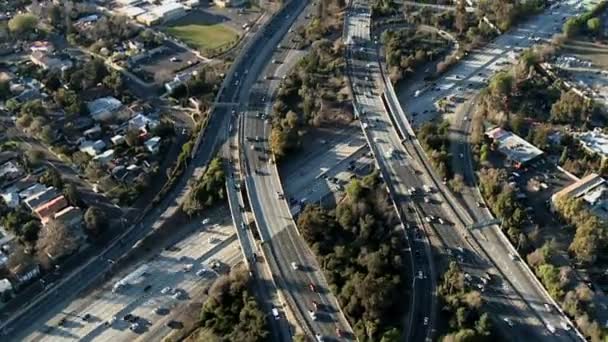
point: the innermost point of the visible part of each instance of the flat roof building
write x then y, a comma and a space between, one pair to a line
169, 11
515, 148
593, 190
132, 11
595, 141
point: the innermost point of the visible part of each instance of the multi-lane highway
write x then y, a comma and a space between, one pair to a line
463, 81
398, 172
293, 265
264, 285
184, 267
511, 303
205, 148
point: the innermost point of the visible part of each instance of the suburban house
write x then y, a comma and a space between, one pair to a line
47, 210
49, 62
153, 145
142, 123
41, 198
103, 108
92, 148
105, 157
70, 217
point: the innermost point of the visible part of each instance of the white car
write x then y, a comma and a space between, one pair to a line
566, 326
426, 321
275, 313
319, 338
428, 219
312, 314
551, 328
508, 321
201, 272
165, 290
294, 265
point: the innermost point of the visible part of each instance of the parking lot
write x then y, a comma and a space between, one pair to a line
583, 63
325, 164
163, 66
152, 294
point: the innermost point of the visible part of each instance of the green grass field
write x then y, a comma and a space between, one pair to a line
204, 37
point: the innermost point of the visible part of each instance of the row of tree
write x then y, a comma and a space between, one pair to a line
315, 93
462, 308
435, 140
409, 48
501, 197
360, 247
231, 313
591, 235
209, 189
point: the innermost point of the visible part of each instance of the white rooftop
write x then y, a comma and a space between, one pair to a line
513, 146
166, 8
596, 141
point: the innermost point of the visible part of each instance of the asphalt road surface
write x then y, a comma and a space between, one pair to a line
144, 294
462, 81
304, 283
216, 133
398, 172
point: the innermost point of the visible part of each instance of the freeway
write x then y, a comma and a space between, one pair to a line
204, 149
265, 288
462, 81
148, 277
398, 172
293, 265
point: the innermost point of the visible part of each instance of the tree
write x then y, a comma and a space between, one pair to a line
56, 240
564, 156
460, 20
278, 142
5, 90
594, 25
132, 138
95, 220
114, 82
72, 194
51, 177
22, 23
484, 153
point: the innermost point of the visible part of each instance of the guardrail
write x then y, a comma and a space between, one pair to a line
386, 176
449, 199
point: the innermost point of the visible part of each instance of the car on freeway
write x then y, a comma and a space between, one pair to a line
316, 305
294, 266
165, 290
508, 321
173, 324
566, 326
312, 287
426, 321
339, 332
551, 328
313, 315
319, 338
275, 313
